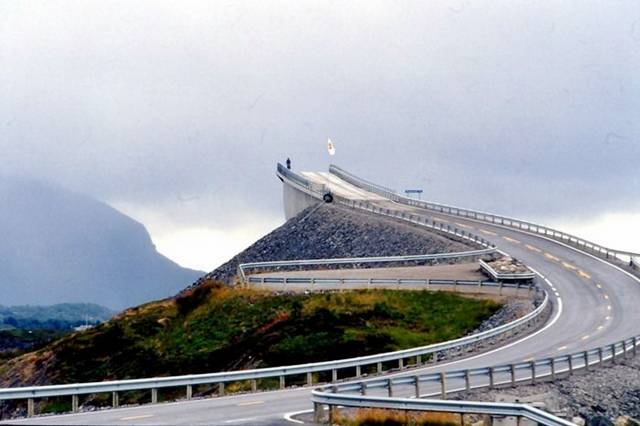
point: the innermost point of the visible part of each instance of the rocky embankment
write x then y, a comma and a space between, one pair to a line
332, 231
602, 397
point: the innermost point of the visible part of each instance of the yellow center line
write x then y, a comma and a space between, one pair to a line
533, 248
144, 416
242, 404
528, 359
552, 257
484, 231
439, 219
583, 274
511, 240
569, 266
463, 225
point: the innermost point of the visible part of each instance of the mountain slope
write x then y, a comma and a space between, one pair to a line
59, 246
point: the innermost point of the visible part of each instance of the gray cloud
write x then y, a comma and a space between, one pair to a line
185, 107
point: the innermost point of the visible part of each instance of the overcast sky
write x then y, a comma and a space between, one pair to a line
176, 113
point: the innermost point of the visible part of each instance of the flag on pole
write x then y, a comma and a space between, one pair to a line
330, 147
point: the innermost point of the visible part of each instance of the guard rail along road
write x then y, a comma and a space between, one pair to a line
629, 258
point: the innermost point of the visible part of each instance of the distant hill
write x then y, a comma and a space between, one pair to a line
63, 316
59, 246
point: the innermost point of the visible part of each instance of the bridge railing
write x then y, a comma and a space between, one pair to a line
467, 255
604, 252
354, 394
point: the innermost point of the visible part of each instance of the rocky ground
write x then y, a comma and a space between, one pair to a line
600, 397
332, 231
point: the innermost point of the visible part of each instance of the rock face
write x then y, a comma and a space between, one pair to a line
331, 231
58, 246
600, 397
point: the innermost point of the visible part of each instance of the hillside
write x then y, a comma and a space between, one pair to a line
217, 327
58, 246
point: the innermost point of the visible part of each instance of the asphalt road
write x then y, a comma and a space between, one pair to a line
594, 303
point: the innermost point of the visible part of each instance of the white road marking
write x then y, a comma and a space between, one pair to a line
609, 307
288, 416
585, 337
606, 296
239, 420
562, 348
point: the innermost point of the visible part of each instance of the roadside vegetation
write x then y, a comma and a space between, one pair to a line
215, 328
380, 417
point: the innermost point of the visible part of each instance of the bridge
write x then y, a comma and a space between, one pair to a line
586, 317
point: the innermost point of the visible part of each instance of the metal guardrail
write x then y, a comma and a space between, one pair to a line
451, 382
371, 282
473, 254
607, 253
464, 407
501, 276
153, 384
283, 172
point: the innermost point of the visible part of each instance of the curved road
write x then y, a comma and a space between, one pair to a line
594, 303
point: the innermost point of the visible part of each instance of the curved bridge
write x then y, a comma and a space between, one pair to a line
593, 297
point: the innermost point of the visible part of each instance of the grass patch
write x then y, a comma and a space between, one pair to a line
218, 328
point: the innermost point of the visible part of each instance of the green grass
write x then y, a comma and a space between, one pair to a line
217, 328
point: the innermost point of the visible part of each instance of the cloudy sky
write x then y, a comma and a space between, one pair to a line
176, 113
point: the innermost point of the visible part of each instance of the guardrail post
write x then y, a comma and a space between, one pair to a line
363, 388
31, 411
624, 348
221, 389
379, 367
154, 396
600, 356
467, 381
501, 285
585, 355
254, 385
570, 365
400, 363
115, 399
553, 369
390, 387
358, 371
282, 382
533, 372
443, 386
512, 372
613, 353
491, 378
74, 403
334, 375
317, 412
416, 384
309, 379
